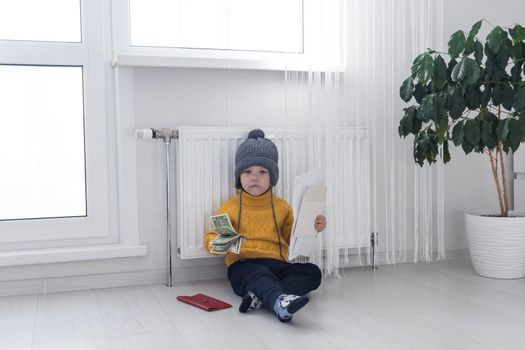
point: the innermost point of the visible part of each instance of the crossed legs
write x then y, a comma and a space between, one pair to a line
269, 278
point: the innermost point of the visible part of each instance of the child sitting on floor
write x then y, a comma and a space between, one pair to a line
261, 273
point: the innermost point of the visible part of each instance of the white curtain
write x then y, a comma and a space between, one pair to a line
361, 52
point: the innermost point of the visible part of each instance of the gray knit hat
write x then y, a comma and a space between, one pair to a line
257, 150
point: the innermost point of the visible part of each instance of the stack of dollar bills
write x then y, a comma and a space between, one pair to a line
228, 240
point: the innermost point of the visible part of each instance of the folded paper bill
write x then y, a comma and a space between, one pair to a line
203, 301
228, 240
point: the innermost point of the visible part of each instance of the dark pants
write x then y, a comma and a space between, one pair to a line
269, 278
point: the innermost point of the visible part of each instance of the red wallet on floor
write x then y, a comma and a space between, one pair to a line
204, 302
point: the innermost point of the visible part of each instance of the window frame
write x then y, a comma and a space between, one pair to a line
52, 239
139, 56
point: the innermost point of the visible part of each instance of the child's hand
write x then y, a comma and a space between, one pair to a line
320, 223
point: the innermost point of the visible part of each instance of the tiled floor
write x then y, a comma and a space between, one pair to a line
441, 305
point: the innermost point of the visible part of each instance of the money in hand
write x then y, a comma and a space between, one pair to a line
228, 240
222, 220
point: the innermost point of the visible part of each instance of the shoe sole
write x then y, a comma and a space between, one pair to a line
245, 304
297, 304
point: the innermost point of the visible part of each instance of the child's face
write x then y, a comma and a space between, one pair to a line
255, 180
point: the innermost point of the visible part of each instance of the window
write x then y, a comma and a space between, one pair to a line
233, 34
42, 144
54, 121
37, 20
244, 25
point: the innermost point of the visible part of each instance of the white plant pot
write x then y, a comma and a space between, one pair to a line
496, 245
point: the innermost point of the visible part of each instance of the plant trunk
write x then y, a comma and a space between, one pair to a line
500, 183
501, 186
505, 212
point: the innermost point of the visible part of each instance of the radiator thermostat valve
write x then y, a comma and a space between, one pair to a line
144, 133
164, 134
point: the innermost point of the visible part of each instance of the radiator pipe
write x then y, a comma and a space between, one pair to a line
166, 135
167, 142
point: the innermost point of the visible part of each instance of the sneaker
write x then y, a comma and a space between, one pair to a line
250, 302
288, 304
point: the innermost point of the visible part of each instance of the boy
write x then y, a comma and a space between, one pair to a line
260, 273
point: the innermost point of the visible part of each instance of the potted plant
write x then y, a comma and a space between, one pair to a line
473, 97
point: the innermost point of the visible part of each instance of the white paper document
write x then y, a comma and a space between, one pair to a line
308, 201
302, 182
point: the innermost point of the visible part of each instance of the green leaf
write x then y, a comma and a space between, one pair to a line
521, 117
515, 133
420, 91
470, 46
506, 147
429, 146
488, 138
456, 44
416, 64
472, 96
422, 68
502, 130
416, 125
508, 97
515, 74
457, 134
404, 127
488, 130
411, 111
478, 52
519, 51
487, 117
467, 70
490, 67
446, 153
495, 39
519, 100
419, 154
455, 103
475, 28
497, 94
432, 108
467, 147
486, 95
472, 131
517, 33
407, 89
450, 67
502, 58
439, 77
494, 72
406, 123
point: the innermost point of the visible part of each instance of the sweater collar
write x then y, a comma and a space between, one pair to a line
257, 202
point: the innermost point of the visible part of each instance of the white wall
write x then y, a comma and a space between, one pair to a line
468, 180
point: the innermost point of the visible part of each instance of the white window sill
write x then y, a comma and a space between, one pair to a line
57, 255
218, 63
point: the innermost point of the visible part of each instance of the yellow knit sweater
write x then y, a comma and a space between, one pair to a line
258, 226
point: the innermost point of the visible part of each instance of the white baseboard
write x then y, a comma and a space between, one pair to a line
82, 282
69, 254
110, 280
180, 274
399, 258
198, 273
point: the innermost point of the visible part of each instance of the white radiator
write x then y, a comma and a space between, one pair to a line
205, 160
